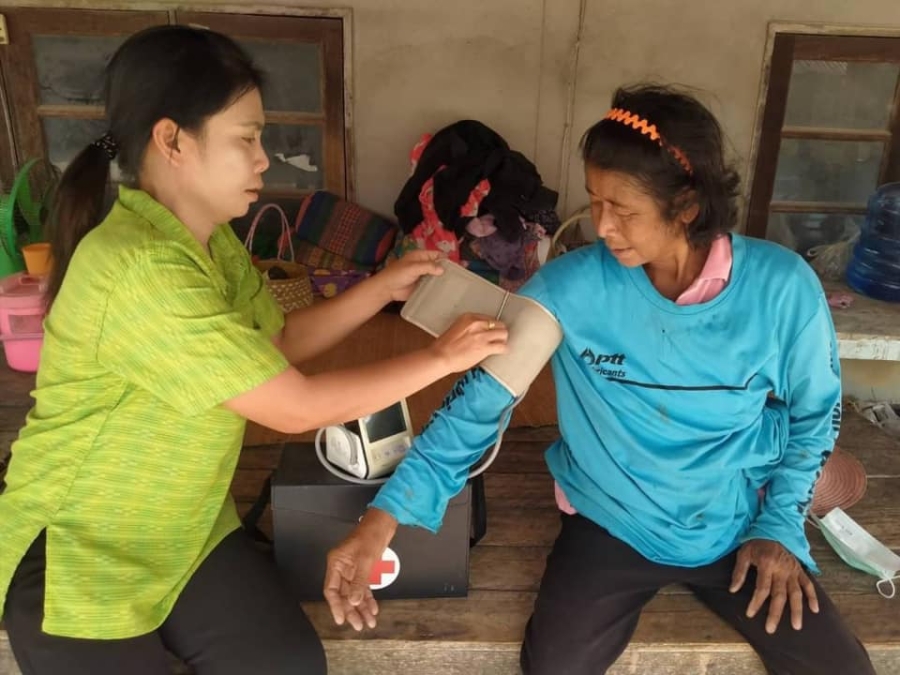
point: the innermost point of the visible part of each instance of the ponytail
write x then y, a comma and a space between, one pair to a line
77, 206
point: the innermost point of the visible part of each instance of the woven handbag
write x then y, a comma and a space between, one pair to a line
287, 280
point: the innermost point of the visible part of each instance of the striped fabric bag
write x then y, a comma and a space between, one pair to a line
344, 229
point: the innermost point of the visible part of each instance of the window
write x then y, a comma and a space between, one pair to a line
52, 73
830, 136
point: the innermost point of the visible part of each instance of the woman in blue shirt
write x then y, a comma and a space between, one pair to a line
698, 388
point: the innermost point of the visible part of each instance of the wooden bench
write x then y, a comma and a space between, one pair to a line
481, 633
676, 633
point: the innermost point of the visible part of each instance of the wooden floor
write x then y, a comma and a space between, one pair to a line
481, 633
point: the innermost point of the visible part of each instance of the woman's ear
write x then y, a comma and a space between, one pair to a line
164, 138
688, 207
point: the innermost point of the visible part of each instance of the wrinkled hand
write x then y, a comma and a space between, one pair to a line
399, 277
779, 578
470, 340
349, 567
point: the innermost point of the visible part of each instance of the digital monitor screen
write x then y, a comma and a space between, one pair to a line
385, 423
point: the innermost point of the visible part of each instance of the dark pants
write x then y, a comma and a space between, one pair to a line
595, 587
234, 617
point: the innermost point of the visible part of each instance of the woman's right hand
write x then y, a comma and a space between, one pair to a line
470, 340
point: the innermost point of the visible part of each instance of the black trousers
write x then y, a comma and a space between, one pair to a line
595, 586
234, 617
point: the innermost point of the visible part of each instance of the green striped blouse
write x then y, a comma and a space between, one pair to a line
127, 456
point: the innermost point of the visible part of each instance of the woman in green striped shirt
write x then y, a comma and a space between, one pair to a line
119, 536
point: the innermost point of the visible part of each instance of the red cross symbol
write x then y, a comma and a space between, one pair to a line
385, 571
380, 568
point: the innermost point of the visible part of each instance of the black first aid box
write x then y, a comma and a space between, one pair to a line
313, 510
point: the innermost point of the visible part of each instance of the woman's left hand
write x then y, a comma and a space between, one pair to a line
779, 578
399, 277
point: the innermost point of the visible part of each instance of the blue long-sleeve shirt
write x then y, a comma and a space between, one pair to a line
667, 426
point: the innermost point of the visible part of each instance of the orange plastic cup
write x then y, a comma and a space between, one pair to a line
37, 258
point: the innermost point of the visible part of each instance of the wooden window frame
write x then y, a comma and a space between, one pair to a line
21, 136
25, 134
258, 26
788, 45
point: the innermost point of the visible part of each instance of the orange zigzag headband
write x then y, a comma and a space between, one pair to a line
640, 124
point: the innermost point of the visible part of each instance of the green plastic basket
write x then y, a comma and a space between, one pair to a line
23, 212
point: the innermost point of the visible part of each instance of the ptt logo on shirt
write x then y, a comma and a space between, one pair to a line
601, 363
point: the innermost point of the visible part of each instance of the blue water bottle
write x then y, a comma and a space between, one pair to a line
874, 267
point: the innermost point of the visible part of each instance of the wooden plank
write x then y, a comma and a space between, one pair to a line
271, 27
890, 166
16, 387
398, 657
520, 568
12, 418
98, 113
395, 657
816, 207
390, 657
83, 112
336, 157
6, 440
500, 617
778, 76
833, 134
521, 457
540, 433
878, 451
507, 568
7, 660
8, 161
510, 528
260, 457
247, 483
820, 47
484, 616
519, 493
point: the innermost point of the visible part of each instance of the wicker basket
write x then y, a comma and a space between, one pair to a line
830, 260
295, 291
568, 238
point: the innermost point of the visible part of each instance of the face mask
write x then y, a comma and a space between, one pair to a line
861, 550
